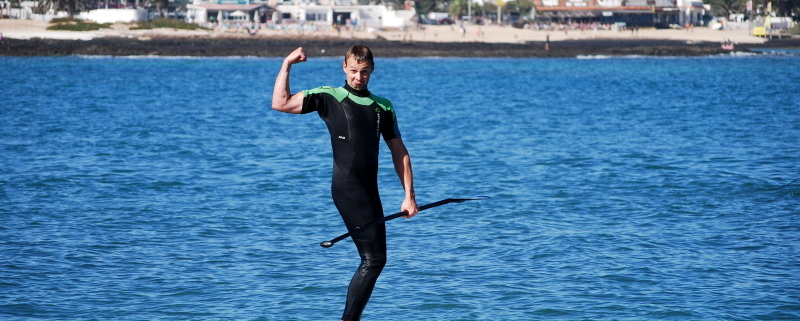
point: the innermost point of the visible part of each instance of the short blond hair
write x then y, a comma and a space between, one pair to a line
360, 53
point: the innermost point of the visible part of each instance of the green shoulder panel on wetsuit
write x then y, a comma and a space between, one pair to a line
384, 103
338, 93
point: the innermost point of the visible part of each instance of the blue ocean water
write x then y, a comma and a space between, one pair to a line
622, 189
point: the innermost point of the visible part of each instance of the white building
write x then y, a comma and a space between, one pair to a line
366, 16
315, 12
226, 11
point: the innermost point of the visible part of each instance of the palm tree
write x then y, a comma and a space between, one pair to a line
161, 7
727, 7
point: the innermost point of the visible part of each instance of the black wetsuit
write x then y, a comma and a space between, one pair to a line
356, 120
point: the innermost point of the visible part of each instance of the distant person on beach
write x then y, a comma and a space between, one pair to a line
351, 113
547, 43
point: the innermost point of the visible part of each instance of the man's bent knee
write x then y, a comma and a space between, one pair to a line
371, 266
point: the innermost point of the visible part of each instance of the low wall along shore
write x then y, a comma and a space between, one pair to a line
115, 15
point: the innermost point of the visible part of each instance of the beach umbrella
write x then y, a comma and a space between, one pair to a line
238, 14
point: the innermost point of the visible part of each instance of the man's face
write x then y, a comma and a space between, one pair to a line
357, 73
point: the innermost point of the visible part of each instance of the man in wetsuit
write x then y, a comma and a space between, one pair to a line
356, 119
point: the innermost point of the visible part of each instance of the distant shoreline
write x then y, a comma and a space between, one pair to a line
31, 38
278, 47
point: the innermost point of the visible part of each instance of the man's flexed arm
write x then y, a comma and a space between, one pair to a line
282, 98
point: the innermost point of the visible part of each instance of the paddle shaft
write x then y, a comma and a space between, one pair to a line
362, 228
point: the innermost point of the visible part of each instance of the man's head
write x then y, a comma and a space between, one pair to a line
358, 66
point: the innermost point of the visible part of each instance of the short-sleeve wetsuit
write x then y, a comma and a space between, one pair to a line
356, 120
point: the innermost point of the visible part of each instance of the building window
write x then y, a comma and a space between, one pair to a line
315, 17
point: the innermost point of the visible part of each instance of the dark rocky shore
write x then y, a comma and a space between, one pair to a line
279, 47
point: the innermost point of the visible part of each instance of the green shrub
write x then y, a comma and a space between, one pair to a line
72, 24
795, 30
65, 20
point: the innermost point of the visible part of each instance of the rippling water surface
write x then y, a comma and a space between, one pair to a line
622, 189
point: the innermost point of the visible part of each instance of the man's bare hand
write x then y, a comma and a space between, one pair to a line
297, 56
410, 206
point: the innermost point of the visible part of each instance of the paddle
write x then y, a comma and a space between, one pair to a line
361, 229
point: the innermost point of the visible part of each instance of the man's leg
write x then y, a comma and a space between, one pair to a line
358, 206
372, 248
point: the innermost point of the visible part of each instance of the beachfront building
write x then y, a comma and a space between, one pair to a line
627, 13
227, 11
308, 13
343, 13
31, 10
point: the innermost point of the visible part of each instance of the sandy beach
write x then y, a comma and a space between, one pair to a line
28, 37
